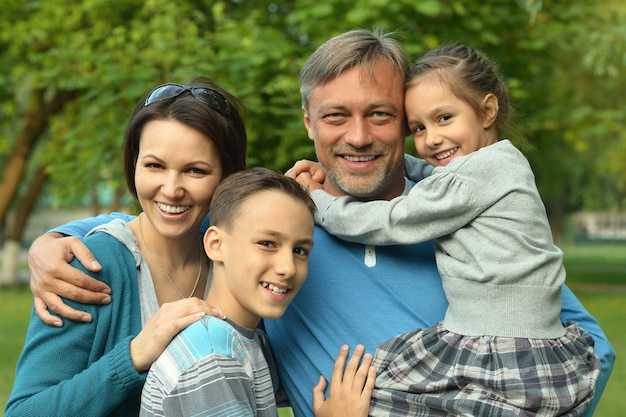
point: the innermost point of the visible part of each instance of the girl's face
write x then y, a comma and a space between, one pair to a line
443, 125
177, 171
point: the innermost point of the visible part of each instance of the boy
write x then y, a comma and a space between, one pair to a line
259, 240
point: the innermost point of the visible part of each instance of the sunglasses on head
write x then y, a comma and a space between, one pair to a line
206, 95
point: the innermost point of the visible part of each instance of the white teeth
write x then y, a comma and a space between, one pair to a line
274, 289
172, 209
445, 155
353, 158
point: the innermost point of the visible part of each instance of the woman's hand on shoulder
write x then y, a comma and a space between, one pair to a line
163, 326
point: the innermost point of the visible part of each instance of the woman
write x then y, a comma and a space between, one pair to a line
181, 141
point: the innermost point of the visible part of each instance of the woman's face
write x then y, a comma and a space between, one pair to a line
177, 171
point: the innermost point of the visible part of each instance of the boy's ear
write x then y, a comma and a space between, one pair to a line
490, 109
213, 243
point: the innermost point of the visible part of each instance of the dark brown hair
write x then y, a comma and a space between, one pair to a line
469, 75
227, 133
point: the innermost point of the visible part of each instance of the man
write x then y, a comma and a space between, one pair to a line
353, 101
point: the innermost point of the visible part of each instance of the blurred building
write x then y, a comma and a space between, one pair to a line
607, 226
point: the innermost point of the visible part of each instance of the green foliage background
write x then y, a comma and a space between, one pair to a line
563, 61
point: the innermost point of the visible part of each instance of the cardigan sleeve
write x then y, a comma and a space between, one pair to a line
435, 207
83, 369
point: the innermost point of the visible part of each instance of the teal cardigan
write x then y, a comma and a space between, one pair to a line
85, 369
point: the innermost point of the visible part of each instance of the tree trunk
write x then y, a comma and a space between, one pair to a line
26, 204
116, 204
12, 247
10, 259
556, 216
34, 125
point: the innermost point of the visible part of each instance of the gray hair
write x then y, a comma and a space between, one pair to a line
356, 48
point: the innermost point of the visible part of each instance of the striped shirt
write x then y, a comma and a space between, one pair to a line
211, 369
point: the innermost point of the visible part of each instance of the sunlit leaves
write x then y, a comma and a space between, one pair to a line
562, 61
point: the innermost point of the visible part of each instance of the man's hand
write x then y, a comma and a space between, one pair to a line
350, 390
51, 277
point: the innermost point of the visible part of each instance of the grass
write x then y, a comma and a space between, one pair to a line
608, 308
596, 274
15, 305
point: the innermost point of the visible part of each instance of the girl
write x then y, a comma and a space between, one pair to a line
501, 348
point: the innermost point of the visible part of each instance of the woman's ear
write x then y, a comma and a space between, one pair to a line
213, 243
489, 106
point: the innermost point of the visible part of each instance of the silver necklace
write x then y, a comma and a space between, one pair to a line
167, 274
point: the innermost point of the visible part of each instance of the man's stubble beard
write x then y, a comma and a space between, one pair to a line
367, 186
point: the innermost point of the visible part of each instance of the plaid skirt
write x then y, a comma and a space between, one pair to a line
434, 372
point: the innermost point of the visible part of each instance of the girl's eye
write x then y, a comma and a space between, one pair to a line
419, 128
267, 243
445, 117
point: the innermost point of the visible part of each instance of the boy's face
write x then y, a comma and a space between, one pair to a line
261, 261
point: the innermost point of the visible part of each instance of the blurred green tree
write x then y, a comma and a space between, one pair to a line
79, 66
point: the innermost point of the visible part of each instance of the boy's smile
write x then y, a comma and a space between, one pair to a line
261, 259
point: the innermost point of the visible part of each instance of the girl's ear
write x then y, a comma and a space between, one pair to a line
213, 243
490, 109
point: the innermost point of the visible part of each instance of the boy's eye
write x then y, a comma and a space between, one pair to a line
418, 128
301, 251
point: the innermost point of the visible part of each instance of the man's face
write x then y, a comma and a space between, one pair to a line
357, 123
